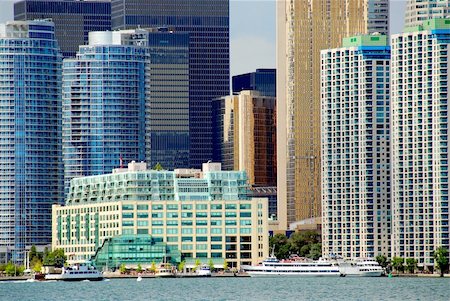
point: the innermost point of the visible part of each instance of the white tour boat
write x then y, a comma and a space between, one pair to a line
78, 272
362, 267
165, 270
203, 271
305, 267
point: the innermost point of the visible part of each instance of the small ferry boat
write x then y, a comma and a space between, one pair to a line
203, 271
304, 267
361, 267
165, 270
78, 272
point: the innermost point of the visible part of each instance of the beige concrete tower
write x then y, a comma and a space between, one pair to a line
305, 27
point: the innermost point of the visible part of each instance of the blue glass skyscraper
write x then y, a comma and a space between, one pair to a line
207, 23
263, 80
103, 106
31, 170
73, 19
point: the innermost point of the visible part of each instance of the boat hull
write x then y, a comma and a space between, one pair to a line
291, 274
63, 278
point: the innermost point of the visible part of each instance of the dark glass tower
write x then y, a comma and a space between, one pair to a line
73, 19
207, 22
263, 80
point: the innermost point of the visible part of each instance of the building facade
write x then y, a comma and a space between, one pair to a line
244, 135
203, 214
30, 130
418, 11
104, 99
263, 80
303, 29
207, 23
420, 138
167, 104
356, 207
73, 19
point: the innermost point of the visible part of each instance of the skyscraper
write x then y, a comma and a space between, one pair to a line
30, 134
103, 105
305, 28
126, 97
167, 105
356, 207
207, 22
244, 135
420, 140
73, 19
418, 11
263, 80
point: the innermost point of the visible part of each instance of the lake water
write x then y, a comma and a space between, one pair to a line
233, 289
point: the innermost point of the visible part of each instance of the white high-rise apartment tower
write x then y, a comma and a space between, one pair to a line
355, 148
418, 11
420, 71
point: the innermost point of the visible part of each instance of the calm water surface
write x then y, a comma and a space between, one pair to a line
233, 289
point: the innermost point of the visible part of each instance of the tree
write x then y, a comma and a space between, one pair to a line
181, 266
14, 270
197, 264
397, 264
55, 258
33, 252
225, 265
382, 261
36, 265
153, 267
279, 242
122, 269
441, 260
315, 252
211, 265
158, 167
411, 265
139, 268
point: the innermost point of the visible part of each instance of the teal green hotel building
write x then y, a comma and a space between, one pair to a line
186, 214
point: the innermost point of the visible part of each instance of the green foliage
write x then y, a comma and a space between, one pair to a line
139, 268
382, 261
158, 167
315, 251
181, 266
36, 264
33, 252
122, 269
211, 265
2, 267
14, 270
305, 244
225, 265
411, 265
197, 264
55, 258
153, 267
441, 260
397, 264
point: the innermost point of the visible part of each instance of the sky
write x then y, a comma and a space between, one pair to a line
252, 31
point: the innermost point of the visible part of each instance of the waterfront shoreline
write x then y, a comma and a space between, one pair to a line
227, 275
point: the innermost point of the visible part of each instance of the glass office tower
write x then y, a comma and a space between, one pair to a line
73, 19
263, 80
103, 106
30, 134
207, 22
167, 106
